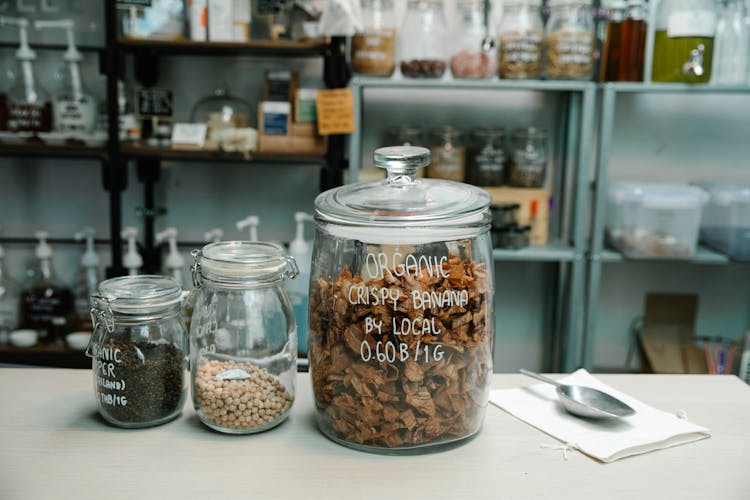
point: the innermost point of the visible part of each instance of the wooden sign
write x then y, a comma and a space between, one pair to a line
335, 109
154, 103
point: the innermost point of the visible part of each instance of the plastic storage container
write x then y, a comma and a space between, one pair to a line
139, 350
658, 221
243, 336
726, 219
401, 321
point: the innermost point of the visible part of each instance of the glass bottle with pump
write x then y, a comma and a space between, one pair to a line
87, 281
74, 109
299, 288
29, 106
174, 263
47, 305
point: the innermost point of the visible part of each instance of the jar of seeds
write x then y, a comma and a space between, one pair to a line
139, 350
521, 32
243, 336
569, 42
528, 164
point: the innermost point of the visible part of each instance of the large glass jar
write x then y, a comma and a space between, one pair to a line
471, 58
243, 336
521, 32
569, 41
684, 41
374, 49
528, 162
400, 319
448, 155
139, 350
731, 47
485, 157
423, 40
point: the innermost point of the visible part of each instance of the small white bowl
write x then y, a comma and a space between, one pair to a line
24, 338
78, 341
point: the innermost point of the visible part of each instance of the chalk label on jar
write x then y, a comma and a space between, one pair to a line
381, 265
106, 378
574, 48
521, 48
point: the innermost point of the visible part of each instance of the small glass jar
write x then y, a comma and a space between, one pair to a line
448, 155
243, 336
569, 41
521, 33
401, 321
404, 135
423, 40
472, 57
528, 165
511, 237
139, 350
485, 157
504, 215
374, 49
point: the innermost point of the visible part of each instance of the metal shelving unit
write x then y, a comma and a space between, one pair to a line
163, 154
574, 143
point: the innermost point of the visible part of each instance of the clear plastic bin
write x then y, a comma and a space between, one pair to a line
655, 220
726, 219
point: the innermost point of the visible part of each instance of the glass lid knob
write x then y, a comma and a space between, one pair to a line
402, 163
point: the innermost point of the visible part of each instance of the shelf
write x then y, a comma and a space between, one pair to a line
44, 355
41, 150
702, 256
674, 88
136, 152
485, 84
52, 46
554, 252
280, 48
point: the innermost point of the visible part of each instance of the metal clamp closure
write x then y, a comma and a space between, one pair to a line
292, 270
195, 269
101, 316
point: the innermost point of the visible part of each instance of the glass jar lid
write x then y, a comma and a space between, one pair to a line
243, 262
140, 294
402, 205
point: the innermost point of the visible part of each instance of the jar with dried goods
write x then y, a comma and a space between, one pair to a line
472, 57
423, 40
139, 350
569, 41
448, 155
521, 33
401, 322
243, 336
528, 163
485, 157
374, 48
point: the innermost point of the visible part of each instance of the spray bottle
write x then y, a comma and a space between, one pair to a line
87, 281
132, 260
251, 221
175, 263
29, 106
74, 109
299, 288
8, 301
47, 305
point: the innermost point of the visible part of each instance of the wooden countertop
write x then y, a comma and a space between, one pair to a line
54, 445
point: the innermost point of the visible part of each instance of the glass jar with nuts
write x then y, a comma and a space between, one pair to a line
520, 33
423, 38
374, 47
569, 41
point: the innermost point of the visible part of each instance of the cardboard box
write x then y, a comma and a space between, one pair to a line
220, 18
527, 198
304, 106
280, 86
241, 21
300, 139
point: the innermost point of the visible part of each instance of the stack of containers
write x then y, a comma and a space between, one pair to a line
726, 219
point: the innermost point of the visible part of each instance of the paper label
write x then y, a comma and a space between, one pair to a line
75, 116
335, 109
193, 134
694, 23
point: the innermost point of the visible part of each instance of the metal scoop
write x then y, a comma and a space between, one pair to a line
586, 401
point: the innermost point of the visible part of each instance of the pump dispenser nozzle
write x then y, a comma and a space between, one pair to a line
298, 245
132, 259
43, 250
72, 55
213, 235
25, 56
252, 222
174, 262
89, 265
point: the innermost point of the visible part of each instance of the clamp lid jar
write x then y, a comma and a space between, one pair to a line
243, 336
400, 318
139, 350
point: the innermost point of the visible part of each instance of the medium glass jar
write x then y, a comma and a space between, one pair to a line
448, 155
139, 349
423, 40
521, 32
528, 164
684, 41
401, 320
569, 41
485, 157
472, 57
243, 336
374, 49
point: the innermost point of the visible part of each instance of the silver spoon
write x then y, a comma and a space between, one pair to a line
586, 401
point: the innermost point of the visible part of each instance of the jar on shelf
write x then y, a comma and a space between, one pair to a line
624, 48
139, 350
569, 40
448, 155
485, 157
731, 46
521, 33
221, 111
401, 328
243, 336
423, 40
472, 58
374, 49
528, 163
684, 41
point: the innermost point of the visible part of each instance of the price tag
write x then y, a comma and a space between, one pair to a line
335, 109
154, 103
189, 134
